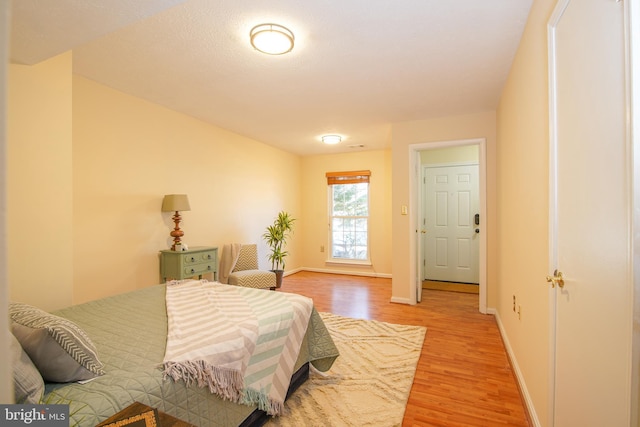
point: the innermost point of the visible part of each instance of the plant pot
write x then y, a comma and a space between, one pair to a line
279, 276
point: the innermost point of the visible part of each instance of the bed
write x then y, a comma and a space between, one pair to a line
129, 332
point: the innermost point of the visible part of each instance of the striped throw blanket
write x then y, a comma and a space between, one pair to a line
239, 342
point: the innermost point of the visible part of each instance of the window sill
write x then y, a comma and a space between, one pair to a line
364, 263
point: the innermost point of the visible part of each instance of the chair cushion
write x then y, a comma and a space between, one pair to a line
248, 258
259, 279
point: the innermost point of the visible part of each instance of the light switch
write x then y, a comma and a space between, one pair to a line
404, 210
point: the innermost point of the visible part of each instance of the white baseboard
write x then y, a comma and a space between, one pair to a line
294, 271
402, 301
516, 369
347, 272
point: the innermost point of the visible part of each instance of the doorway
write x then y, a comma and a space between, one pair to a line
434, 150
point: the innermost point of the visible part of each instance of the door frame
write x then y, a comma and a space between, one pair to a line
553, 199
416, 202
632, 22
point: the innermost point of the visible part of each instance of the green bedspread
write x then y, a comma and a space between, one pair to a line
130, 331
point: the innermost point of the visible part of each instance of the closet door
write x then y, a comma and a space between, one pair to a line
590, 216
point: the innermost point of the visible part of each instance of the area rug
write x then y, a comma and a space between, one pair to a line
369, 383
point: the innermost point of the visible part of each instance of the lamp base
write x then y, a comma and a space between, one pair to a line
176, 233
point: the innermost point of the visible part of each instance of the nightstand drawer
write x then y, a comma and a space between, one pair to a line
198, 269
198, 258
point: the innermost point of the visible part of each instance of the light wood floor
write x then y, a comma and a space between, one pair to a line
463, 376
451, 286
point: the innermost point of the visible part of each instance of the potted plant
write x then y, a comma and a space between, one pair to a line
276, 237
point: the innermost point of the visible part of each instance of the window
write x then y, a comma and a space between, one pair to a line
349, 215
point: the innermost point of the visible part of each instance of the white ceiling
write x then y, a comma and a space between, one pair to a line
357, 65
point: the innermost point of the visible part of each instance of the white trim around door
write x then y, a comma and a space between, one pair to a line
415, 204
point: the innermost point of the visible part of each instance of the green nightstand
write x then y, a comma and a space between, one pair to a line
196, 261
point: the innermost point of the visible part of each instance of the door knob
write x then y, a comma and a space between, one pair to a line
557, 279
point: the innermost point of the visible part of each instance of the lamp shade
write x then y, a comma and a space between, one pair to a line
175, 202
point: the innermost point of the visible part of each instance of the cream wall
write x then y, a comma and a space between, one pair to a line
523, 203
315, 211
128, 153
104, 160
480, 125
88, 169
39, 183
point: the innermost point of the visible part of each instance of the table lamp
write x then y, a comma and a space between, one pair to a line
176, 203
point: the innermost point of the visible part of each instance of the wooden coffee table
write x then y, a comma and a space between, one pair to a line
137, 408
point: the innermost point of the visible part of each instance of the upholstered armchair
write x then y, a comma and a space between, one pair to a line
246, 273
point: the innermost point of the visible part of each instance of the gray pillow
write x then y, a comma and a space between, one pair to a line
59, 348
27, 382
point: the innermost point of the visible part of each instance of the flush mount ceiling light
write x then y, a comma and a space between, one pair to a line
331, 139
272, 39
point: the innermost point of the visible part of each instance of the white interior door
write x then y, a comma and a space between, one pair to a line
590, 216
451, 235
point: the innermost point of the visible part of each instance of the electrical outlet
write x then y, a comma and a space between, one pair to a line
514, 303
321, 248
